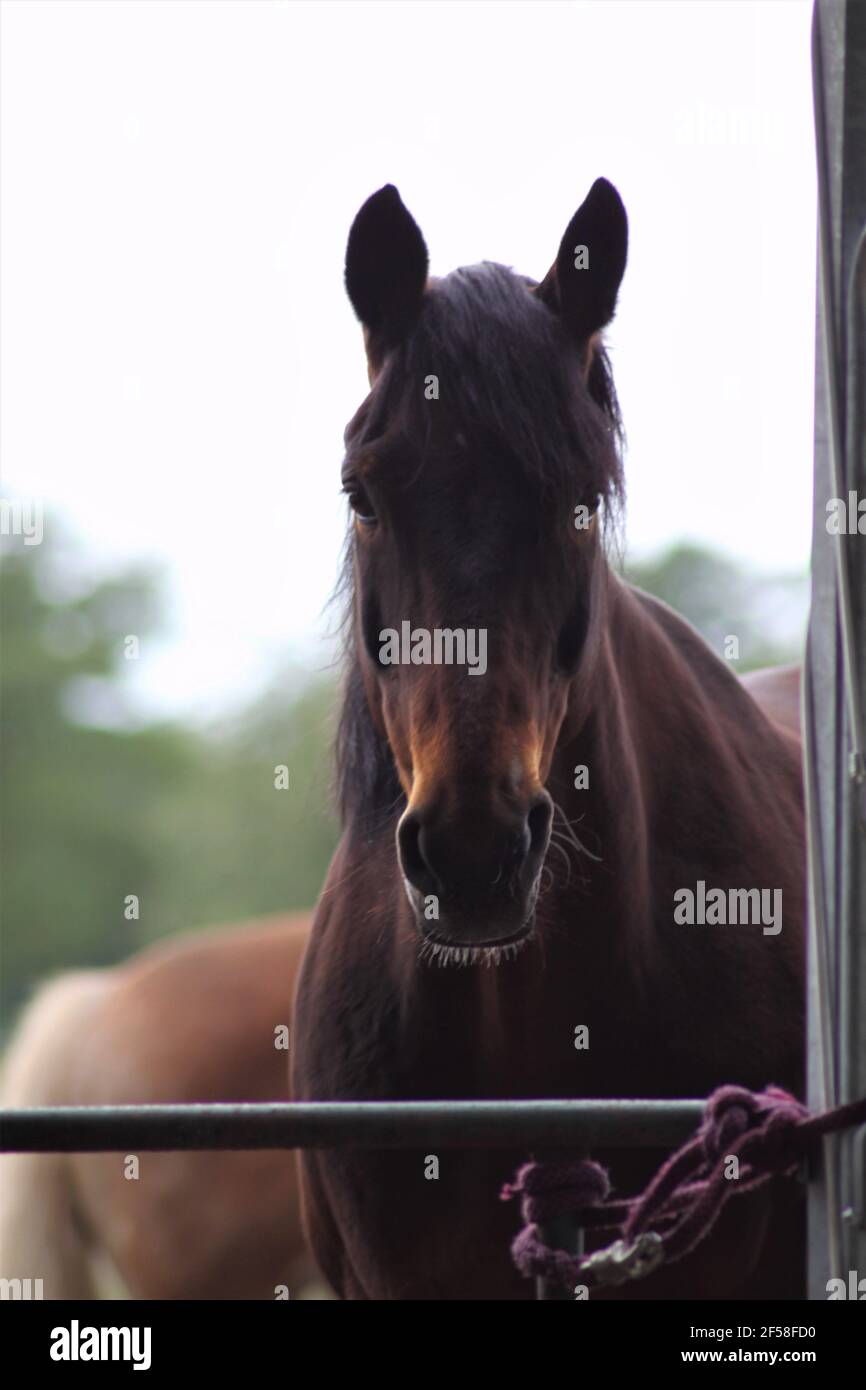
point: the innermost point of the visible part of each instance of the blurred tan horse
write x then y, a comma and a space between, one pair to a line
189, 1020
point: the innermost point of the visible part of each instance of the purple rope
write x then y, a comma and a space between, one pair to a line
769, 1133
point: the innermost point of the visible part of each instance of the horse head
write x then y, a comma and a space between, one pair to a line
479, 470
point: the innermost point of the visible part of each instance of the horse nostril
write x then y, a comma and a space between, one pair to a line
538, 823
473, 859
411, 848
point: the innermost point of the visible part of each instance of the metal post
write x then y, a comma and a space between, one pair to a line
836, 658
561, 1233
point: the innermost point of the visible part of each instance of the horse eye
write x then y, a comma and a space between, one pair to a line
360, 503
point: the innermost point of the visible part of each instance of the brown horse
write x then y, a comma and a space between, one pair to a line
189, 1020
509, 696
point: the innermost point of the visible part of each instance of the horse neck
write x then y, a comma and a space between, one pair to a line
656, 696
668, 735
652, 712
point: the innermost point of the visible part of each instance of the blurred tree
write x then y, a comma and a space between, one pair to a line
70, 798
235, 841
192, 825
766, 615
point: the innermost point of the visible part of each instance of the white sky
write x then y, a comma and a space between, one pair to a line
179, 358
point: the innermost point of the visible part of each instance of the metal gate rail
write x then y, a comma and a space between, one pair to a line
488, 1124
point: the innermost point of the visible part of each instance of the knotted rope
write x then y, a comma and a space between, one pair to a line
769, 1134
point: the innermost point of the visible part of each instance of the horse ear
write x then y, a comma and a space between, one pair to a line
583, 283
386, 269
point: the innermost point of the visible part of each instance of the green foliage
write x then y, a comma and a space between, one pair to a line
768, 616
230, 843
191, 824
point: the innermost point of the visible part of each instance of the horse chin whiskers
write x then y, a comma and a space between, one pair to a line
441, 953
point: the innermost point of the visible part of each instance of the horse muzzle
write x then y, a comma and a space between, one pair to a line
472, 882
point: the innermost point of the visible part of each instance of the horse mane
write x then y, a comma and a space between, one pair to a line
510, 372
